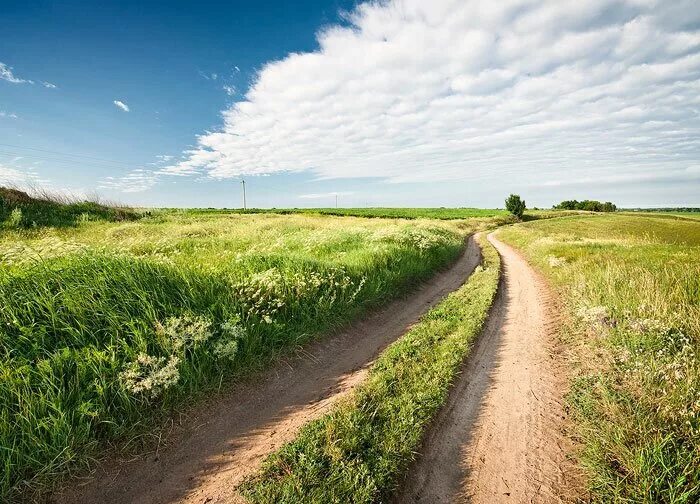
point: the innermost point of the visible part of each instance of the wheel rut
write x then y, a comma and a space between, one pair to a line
227, 438
500, 436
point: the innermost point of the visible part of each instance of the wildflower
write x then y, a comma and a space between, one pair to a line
596, 315
556, 262
150, 376
188, 331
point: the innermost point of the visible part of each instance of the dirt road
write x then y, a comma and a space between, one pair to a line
227, 441
499, 439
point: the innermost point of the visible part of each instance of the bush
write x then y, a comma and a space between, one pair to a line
515, 205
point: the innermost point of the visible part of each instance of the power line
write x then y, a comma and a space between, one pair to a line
64, 154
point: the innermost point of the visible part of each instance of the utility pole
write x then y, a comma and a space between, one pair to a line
243, 184
336, 200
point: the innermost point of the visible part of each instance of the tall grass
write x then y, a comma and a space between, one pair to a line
105, 328
363, 447
19, 209
632, 287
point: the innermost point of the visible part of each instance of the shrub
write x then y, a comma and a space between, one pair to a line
515, 205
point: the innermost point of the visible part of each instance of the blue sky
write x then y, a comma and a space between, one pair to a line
400, 103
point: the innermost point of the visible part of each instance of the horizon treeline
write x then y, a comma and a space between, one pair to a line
588, 205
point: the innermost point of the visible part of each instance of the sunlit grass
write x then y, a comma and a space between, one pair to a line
106, 327
364, 446
632, 287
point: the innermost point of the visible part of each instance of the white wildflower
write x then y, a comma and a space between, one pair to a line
150, 376
185, 332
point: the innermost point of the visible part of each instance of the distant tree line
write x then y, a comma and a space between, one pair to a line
665, 209
588, 205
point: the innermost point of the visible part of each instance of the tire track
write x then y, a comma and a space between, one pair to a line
219, 447
500, 436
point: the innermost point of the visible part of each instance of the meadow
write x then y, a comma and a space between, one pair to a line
108, 327
631, 288
370, 212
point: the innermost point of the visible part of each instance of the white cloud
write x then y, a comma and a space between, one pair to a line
7, 75
20, 177
230, 90
49, 85
513, 91
9, 115
121, 105
326, 195
137, 180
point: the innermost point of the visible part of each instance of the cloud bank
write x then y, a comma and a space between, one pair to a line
519, 90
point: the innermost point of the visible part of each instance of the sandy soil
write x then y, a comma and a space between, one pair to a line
226, 441
500, 437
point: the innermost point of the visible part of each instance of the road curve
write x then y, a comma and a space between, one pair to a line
227, 440
499, 438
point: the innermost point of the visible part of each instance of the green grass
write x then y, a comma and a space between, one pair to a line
385, 213
19, 210
359, 451
631, 284
106, 328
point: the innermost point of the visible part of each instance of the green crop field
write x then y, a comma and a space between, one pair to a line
631, 284
102, 320
385, 213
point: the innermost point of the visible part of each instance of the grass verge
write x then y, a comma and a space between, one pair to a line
631, 284
360, 450
106, 328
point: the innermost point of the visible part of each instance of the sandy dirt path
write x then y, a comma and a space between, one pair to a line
220, 446
500, 436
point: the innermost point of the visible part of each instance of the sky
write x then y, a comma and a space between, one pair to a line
393, 103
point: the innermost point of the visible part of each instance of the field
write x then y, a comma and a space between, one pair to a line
385, 213
114, 321
101, 321
632, 290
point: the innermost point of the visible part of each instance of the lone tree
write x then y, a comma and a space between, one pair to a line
515, 205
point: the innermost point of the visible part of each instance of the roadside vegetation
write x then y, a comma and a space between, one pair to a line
105, 327
632, 289
20, 210
361, 449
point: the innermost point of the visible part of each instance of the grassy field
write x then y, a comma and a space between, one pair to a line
106, 327
382, 213
631, 284
359, 451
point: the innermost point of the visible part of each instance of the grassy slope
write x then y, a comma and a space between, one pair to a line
104, 328
632, 287
20, 210
359, 451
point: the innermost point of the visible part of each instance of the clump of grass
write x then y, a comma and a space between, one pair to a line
19, 209
632, 285
359, 451
106, 327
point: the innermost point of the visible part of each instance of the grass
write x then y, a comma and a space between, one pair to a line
19, 210
631, 284
382, 213
106, 328
364, 446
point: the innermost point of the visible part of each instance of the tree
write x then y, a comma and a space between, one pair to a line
515, 205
